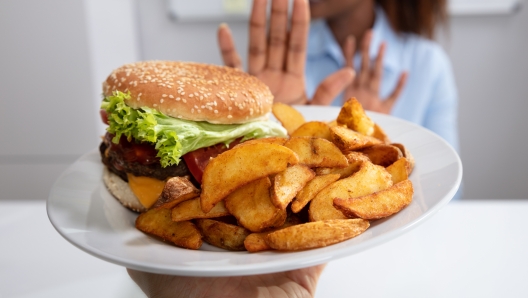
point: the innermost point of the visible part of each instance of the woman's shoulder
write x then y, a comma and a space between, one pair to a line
422, 56
424, 50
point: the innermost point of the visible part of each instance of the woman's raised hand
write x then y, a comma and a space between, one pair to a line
278, 56
366, 86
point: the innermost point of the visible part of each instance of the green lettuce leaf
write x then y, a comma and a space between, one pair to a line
175, 137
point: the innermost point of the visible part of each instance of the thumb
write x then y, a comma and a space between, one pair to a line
332, 86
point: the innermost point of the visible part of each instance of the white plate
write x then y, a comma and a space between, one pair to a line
83, 212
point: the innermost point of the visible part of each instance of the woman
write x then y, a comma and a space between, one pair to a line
400, 70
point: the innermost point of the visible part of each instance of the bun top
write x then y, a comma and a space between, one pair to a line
192, 91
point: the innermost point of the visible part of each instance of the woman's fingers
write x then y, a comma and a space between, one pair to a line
227, 47
348, 50
332, 86
278, 33
257, 37
364, 73
397, 91
377, 70
296, 57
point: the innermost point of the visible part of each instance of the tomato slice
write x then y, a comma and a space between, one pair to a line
198, 159
104, 116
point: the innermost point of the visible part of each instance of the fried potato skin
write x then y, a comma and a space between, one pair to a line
354, 117
222, 235
399, 170
379, 204
369, 179
176, 190
311, 189
316, 234
315, 129
191, 209
287, 184
158, 222
289, 117
241, 165
407, 154
317, 152
349, 140
382, 154
251, 205
255, 242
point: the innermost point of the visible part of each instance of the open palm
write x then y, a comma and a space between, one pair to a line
278, 56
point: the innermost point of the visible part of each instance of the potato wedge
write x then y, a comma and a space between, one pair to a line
288, 183
317, 152
311, 189
379, 204
354, 117
158, 222
369, 179
241, 165
349, 140
355, 159
382, 154
252, 207
288, 116
315, 129
399, 170
176, 190
380, 134
333, 123
407, 154
316, 234
222, 235
191, 209
255, 242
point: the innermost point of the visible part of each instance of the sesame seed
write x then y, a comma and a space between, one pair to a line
191, 95
161, 100
229, 116
216, 111
164, 95
178, 99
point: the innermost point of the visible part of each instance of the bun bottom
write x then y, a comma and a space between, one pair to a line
121, 191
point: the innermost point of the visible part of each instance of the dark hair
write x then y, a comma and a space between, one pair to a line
415, 16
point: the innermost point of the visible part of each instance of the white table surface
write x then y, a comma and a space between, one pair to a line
468, 249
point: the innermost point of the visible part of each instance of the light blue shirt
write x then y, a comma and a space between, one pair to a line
429, 97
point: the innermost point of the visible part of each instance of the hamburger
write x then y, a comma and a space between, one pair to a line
168, 119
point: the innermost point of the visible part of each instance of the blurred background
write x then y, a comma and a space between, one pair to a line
54, 55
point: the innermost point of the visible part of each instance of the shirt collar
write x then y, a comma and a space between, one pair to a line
322, 42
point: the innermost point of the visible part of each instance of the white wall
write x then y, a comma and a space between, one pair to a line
46, 113
489, 56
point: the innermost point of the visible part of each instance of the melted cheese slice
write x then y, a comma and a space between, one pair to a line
146, 189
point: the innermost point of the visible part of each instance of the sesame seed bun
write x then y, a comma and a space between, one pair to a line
192, 91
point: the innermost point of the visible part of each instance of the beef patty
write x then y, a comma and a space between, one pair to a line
119, 162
